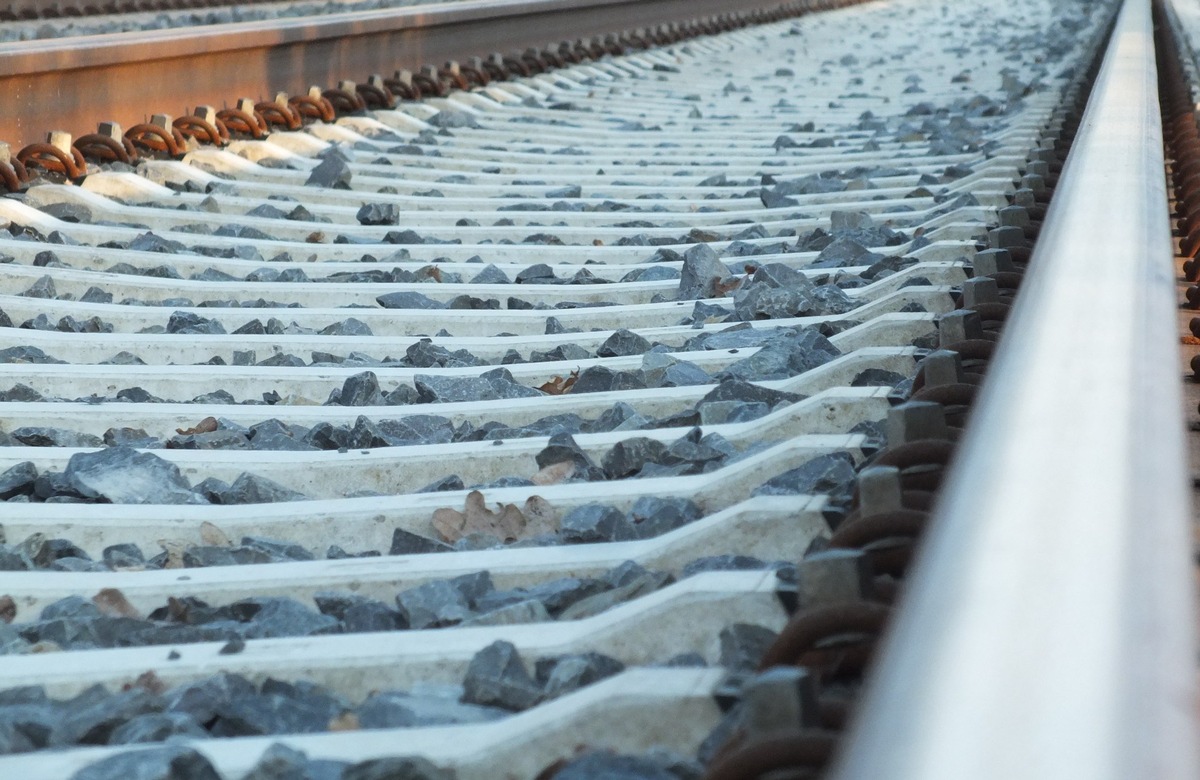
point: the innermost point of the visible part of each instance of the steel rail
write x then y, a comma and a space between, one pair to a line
75, 83
1047, 631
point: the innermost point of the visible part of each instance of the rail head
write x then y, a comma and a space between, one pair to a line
1047, 628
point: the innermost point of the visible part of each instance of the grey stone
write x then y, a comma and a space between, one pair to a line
378, 214
539, 273
602, 379
652, 516
790, 353
201, 698
42, 288
832, 299
679, 373
358, 613
407, 300
390, 710
527, 611
333, 171
252, 489
121, 556
491, 275
696, 451
407, 543
122, 475
280, 762
130, 437
496, 677
559, 594
609, 766
832, 473
701, 271
273, 713
623, 342
94, 722
173, 762
562, 448
877, 377
397, 767
627, 457
278, 550
426, 354
569, 673
277, 617
490, 386
361, 390
451, 482
70, 607
842, 252
743, 645
731, 389
723, 412
636, 585
723, 563
183, 322
18, 480
761, 302
155, 727
654, 273
433, 605
595, 523
450, 119
347, 327
213, 440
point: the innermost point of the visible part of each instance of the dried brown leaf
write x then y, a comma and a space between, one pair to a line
113, 603
8, 609
554, 473
347, 721
507, 522
174, 550
559, 385
207, 425
449, 524
540, 515
316, 237
211, 535
147, 681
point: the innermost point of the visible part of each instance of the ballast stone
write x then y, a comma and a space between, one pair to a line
122, 475
161, 763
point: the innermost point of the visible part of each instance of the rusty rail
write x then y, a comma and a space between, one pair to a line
75, 83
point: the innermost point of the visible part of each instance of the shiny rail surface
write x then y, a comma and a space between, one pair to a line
1048, 630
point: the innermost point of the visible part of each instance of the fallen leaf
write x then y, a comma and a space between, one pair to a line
113, 603
147, 681
8, 609
507, 522
207, 425
725, 286
541, 517
559, 385
211, 535
554, 473
347, 721
315, 238
174, 550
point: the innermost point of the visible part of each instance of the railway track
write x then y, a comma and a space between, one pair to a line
586, 420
